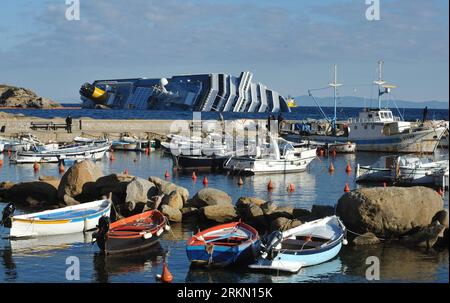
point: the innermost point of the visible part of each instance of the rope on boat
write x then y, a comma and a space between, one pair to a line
355, 233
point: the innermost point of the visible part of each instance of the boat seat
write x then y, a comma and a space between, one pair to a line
294, 244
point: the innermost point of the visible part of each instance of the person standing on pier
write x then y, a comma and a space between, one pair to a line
69, 124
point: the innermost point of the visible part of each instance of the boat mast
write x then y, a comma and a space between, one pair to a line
334, 85
380, 82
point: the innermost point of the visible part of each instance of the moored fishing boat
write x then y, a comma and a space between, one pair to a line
132, 143
309, 244
130, 234
67, 220
277, 156
94, 151
406, 169
224, 245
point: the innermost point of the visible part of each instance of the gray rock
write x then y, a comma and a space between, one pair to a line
219, 213
79, 181
300, 213
34, 194
280, 211
388, 212
167, 188
321, 211
69, 201
254, 215
114, 183
283, 224
174, 200
366, 239
209, 197
442, 217
268, 207
426, 237
173, 214
140, 191
244, 202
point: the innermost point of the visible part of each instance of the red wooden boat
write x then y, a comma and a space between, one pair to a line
131, 234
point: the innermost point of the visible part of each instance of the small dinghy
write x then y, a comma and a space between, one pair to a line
224, 245
131, 234
309, 244
66, 220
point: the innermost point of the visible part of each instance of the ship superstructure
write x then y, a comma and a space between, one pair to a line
203, 92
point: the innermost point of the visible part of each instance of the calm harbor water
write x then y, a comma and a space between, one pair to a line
298, 113
44, 260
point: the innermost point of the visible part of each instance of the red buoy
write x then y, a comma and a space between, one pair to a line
240, 182
331, 168
346, 188
321, 152
1, 162
194, 176
270, 185
291, 187
167, 175
348, 169
61, 168
440, 191
205, 181
125, 172
36, 166
147, 151
111, 157
166, 276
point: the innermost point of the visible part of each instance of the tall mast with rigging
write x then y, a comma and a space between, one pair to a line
334, 85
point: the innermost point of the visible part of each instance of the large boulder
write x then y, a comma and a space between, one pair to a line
140, 191
174, 199
79, 181
283, 224
173, 214
219, 213
32, 194
388, 212
211, 196
167, 188
114, 183
53, 181
366, 239
244, 202
254, 215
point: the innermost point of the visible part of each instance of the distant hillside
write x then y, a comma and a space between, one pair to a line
351, 101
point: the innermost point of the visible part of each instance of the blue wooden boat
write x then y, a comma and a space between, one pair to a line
223, 245
309, 244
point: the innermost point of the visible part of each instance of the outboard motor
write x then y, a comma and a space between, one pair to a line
7, 214
102, 230
273, 240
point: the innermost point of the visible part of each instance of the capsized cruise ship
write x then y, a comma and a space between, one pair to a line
204, 92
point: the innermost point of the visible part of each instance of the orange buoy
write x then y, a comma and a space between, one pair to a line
61, 168
333, 153
240, 182
147, 151
205, 181
331, 168
194, 176
384, 184
321, 152
346, 188
125, 172
440, 191
167, 175
36, 166
111, 157
291, 187
166, 276
270, 185
348, 169
1, 162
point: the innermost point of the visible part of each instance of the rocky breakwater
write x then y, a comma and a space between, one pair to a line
413, 216
12, 96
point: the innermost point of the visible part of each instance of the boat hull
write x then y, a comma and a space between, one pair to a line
424, 141
26, 226
199, 163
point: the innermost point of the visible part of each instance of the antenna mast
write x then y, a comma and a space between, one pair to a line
380, 82
334, 85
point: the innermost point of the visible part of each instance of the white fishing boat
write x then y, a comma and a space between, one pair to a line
132, 143
83, 140
309, 244
26, 142
67, 220
406, 169
378, 130
277, 156
94, 152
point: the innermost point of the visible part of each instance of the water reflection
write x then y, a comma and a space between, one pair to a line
9, 266
106, 267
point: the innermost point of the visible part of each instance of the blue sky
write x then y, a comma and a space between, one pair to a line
288, 45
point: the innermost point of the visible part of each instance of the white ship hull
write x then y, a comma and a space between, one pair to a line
424, 141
